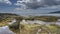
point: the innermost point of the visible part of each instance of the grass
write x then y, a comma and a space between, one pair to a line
5, 21
17, 31
32, 29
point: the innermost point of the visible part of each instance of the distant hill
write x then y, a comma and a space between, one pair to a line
7, 14
4, 16
55, 12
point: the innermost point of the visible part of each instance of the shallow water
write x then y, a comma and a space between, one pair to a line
5, 30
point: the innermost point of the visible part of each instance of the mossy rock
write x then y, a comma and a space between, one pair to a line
15, 28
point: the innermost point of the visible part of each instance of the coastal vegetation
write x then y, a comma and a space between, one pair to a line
44, 18
6, 18
34, 28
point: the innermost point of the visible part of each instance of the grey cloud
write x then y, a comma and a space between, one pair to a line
42, 3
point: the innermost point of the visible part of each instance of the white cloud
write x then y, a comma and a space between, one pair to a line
5, 1
19, 3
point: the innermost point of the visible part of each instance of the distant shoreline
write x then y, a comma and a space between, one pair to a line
41, 14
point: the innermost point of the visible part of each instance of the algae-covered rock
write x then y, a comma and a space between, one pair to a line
14, 27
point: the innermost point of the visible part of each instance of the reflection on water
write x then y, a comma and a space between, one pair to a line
5, 30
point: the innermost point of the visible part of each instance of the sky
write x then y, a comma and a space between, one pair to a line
29, 6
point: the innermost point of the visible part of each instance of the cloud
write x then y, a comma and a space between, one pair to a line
38, 10
41, 6
5, 1
38, 3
